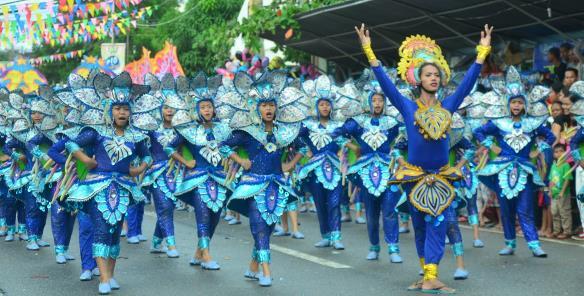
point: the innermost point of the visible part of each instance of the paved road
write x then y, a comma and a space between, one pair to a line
298, 267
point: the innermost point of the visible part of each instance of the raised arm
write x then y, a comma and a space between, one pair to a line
452, 102
387, 86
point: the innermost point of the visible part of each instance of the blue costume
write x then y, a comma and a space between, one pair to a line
323, 171
427, 177
57, 153
19, 179
263, 190
511, 175
205, 186
107, 191
374, 135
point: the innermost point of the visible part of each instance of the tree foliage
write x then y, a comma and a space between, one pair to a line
278, 16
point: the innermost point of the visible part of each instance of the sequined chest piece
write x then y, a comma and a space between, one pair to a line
210, 149
433, 122
116, 149
517, 139
165, 136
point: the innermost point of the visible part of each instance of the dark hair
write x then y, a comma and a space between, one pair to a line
567, 45
554, 51
557, 86
573, 70
560, 145
565, 91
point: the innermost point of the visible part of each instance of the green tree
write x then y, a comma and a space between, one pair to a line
203, 34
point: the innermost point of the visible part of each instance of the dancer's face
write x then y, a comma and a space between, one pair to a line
206, 110
167, 113
517, 106
268, 111
324, 108
37, 117
430, 78
121, 115
377, 102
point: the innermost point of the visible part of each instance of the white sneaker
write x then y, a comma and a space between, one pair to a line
86, 275
96, 272
114, 284
61, 259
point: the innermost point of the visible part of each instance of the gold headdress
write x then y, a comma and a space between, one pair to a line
414, 52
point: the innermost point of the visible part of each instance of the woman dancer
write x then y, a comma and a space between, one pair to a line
204, 185
517, 121
427, 121
266, 116
110, 185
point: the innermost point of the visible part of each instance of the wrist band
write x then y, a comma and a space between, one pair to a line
483, 52
369, 52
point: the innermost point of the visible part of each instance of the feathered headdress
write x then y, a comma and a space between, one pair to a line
509, 88
241, 105
414, 52
323, 88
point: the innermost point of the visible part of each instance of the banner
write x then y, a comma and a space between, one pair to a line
114, 55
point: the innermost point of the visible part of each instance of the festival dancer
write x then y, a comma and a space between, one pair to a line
111, 184
374, 132
427, 176
205, 185
323, 170
159, 181
517, 120
73, 124
266, 117
29, 113
48, 173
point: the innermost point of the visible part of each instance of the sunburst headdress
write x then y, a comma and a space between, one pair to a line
416, 51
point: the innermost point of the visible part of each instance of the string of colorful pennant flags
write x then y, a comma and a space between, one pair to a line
79, 22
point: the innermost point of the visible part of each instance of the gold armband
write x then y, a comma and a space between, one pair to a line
369, 52
483, 52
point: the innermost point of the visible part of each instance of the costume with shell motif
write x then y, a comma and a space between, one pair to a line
426, 177
263, 191
374, 133
108, 188
161, 178
205, 186
511, 175
23, 178
323, 170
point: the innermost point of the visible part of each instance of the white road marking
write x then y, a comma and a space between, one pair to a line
561, 242
308, 257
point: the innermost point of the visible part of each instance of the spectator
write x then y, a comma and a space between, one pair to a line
555, 59
570, 76
554, 93
566, 51
560, 177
